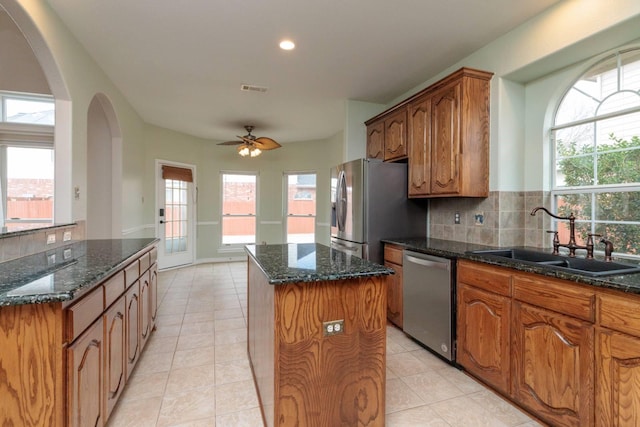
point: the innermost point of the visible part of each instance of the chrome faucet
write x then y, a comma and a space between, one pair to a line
571, 245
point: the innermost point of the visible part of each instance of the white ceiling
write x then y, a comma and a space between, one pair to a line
181, 63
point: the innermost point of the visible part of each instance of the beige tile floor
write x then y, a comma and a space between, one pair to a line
195, 372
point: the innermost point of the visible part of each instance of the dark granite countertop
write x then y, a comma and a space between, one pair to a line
310, 262
460, 250
66, 272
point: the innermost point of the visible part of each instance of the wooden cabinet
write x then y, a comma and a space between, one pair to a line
443, 131
375, 140
449, 137
419, 146
553, 365
114, 357
84, 373
145, 308
132, 345
78, 350
393, 259
484, 319
387, 136
395, 136
530, 337
618, 361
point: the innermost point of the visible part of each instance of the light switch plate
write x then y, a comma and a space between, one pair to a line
51, 238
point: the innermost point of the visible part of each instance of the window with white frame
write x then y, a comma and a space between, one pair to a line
300, 207
596, 136
26, 160
239, 207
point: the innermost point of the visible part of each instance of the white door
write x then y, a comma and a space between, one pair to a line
175, 214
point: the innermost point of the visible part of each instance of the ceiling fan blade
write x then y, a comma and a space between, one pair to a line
265, 143
230, 143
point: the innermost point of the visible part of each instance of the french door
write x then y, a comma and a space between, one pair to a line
175, 213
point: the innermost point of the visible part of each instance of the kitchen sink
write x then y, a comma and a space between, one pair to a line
590, 267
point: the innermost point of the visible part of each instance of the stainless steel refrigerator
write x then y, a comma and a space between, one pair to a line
368, 203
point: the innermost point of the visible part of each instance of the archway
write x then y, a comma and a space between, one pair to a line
104, 170
63, 130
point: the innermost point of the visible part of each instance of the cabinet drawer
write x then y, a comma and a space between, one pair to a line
83, 313
153, 254
132, 272
393, 254
557, 295
490, 278
620, 312
113, 288
144, 262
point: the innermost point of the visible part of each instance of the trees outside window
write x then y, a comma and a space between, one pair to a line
597, 153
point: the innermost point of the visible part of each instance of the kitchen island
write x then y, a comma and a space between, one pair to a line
73, 323
317, 335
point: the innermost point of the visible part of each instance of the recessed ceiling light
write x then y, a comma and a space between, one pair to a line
287, 45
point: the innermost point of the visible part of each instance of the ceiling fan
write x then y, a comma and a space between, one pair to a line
251, 145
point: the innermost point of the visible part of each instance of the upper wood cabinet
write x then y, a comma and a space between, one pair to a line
446, 131
375, 140
387, 137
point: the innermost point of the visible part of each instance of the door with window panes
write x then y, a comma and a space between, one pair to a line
176, 200
300, 209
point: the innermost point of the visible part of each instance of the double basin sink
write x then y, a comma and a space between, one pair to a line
590, 267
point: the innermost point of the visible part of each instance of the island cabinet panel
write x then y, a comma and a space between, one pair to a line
84, 387
553, 360
132, 319
318, 380
115, 360
32, 379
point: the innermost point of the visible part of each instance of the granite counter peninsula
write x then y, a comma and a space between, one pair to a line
306, 372
73, 323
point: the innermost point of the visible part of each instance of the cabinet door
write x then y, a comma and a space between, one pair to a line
445, 140
84, 378
153, 292
618, 376
553, 359
115, 361
484, 334
132, 322
419, 147
395, 136
145, 309
375, 140
394, 295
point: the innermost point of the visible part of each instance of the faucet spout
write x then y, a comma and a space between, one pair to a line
535, 210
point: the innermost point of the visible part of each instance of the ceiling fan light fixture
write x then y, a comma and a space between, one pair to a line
255, 152
243, 150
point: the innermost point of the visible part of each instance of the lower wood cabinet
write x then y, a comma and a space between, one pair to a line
114, 358
395, 307
132, 345
484, 320
552, 361
85, 375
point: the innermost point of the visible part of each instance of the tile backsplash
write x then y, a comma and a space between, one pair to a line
502, 219
24, 243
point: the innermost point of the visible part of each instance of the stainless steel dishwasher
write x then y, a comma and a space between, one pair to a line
429, 301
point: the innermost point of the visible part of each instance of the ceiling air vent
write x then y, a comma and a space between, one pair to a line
253, 88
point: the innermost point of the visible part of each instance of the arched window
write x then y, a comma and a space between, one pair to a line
596, 136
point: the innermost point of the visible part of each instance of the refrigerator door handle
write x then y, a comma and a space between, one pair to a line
341, 201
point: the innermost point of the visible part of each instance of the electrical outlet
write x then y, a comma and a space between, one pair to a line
456, 218
51, 238
66, 236
334, 327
